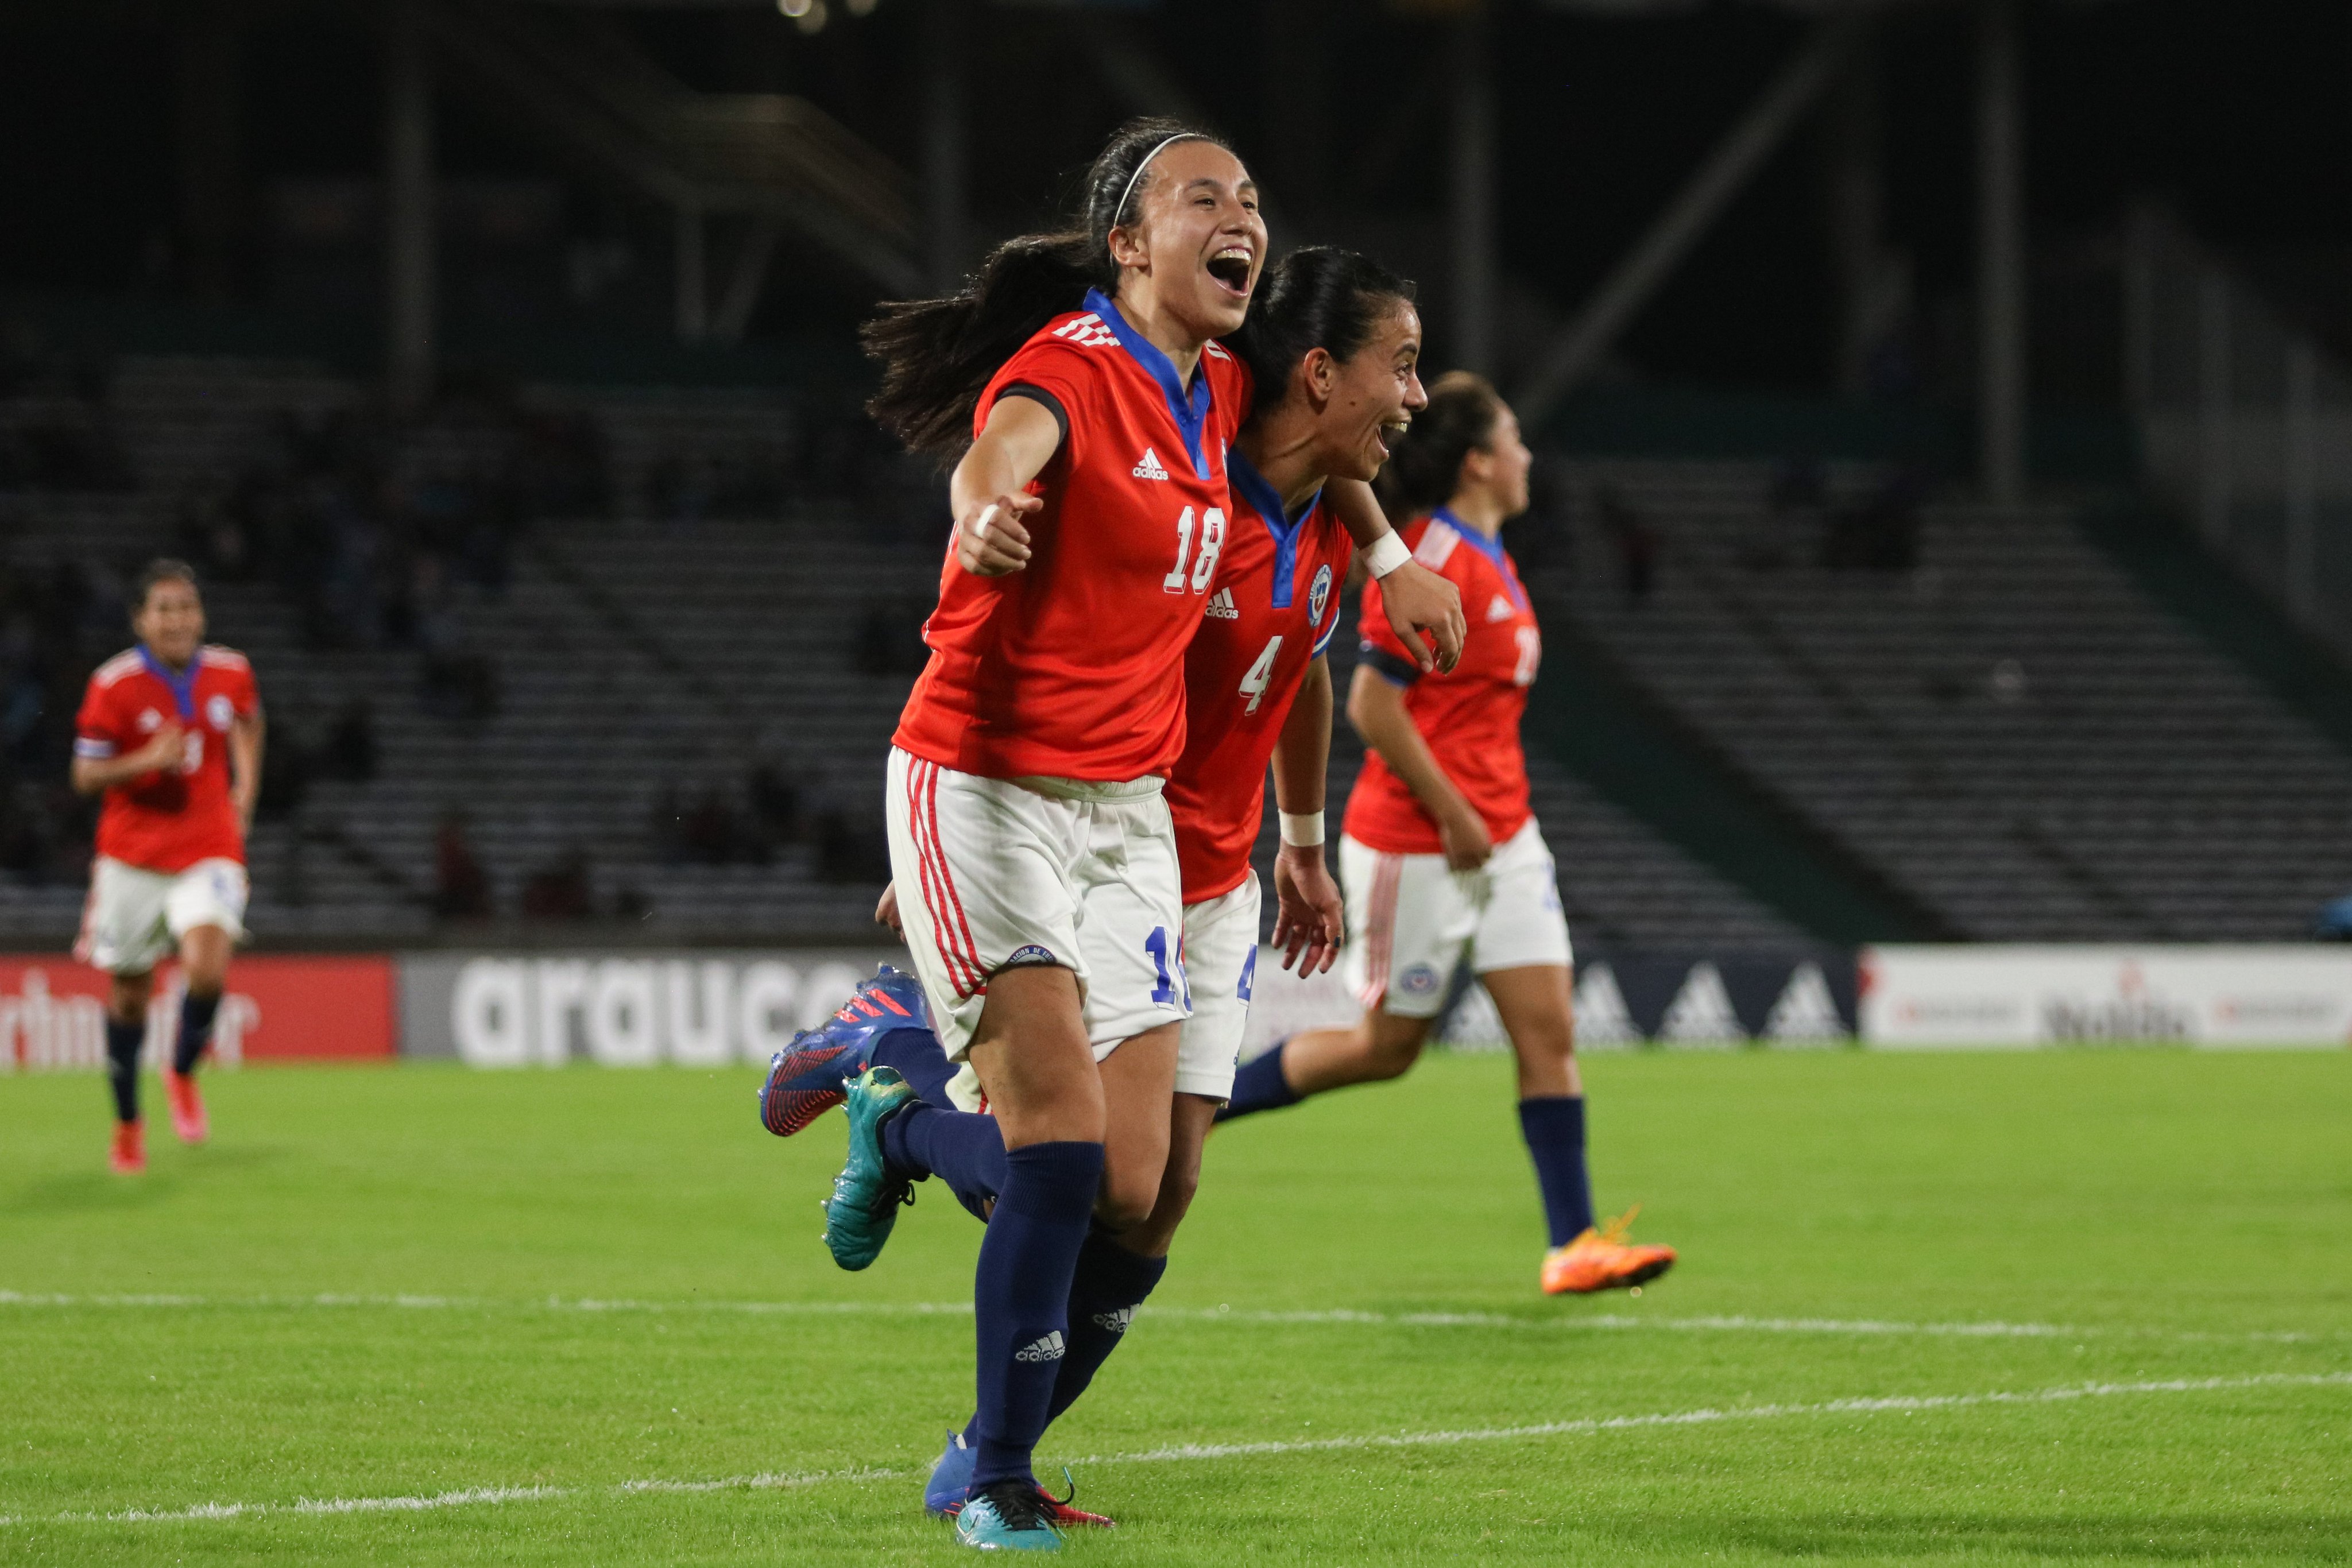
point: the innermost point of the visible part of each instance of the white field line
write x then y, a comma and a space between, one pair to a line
777, 1480
1605, 1320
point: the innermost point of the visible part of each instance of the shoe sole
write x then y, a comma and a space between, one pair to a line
1626, 1281
784, 1112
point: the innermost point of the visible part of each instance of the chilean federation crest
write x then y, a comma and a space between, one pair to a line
1319, 595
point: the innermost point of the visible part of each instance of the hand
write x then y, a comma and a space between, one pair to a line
1463, 834
885, 913
990, 540
165, 748
1417, 600
1308, 914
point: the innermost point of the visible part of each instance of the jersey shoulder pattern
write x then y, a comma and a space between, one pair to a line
126, 662
217, 656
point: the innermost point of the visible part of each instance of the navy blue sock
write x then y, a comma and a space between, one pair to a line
916, 1055
1259, 1085
1553, 1126
965, 1150
122, 1043
196, 1031
1109, 1284
1020, 1298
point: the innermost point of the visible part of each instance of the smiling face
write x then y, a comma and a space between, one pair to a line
1193, 243
171, 621
1365, 403
1497, 471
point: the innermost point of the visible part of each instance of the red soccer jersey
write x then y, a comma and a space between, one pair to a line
1275, 604
169, 820
1073, 668
1470, 717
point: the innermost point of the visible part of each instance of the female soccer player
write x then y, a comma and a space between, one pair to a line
1442, 857
170, 733
1333, 345
1046, 908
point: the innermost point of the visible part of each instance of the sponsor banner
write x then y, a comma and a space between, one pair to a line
1624, 998
1922, 997
694, 1008
278, 1007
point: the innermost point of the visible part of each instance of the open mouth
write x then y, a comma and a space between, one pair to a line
1390, 435
1230, 268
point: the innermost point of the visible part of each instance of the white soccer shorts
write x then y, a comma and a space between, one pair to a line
1410, 919
134, 917
993, 874
1220, 961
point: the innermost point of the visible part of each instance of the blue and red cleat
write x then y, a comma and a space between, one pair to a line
805, 1078
950, 1482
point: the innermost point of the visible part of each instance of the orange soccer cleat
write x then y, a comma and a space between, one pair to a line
129, 1154
1603, 1260
187, 1107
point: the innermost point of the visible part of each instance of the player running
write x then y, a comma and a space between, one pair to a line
170, 732
1044, 907
1441, 854
1333, 346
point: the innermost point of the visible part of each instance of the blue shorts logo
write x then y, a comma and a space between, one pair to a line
1418, 981
1023, 957
1319, 595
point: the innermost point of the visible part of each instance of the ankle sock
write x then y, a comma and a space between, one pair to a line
1553, 1126
915, 1056
1021, 1297
965, 1150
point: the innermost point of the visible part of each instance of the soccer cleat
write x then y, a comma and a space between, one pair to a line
944, 1494
867, 1193
1603, 1260
1007, 1516
129, 1154
805, 1078
187, 1107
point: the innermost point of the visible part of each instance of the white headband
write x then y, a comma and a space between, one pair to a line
1127, 196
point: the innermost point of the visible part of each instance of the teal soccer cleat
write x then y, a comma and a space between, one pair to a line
1007, 1516
867, 1193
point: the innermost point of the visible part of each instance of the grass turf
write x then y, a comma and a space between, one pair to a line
402, 1283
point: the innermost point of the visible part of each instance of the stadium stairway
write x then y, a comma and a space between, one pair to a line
2009, 732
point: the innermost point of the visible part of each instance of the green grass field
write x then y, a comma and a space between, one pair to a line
2080, 1307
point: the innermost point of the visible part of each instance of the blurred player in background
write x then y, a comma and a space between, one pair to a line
170, 733
1442, 857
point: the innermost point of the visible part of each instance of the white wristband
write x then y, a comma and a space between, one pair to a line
1386, 556
1302, 830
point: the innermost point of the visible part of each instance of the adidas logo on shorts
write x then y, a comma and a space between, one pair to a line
1148, 466
1116, 1322
1050, 1348
1221, 606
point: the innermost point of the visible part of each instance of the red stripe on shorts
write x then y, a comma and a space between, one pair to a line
926, 868
1379, 938
947, 878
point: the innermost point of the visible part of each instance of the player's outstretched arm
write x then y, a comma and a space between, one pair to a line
96, 775
988, 490
1415, 599
1308, 919
1375, 708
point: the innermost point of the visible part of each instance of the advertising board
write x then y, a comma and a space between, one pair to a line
1979, 995
278, 1007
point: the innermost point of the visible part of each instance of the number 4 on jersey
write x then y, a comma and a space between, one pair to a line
1261, 671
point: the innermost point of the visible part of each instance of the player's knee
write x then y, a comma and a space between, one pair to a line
128, 996
1126, 1201
1387, 1059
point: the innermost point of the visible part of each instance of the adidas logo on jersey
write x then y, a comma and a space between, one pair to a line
1149, 467
1500, 610
1050, 1348
1221, 605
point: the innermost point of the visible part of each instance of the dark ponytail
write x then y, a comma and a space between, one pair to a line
1318, 298
1425, 469
938, 355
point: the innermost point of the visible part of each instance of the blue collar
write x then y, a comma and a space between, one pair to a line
1190, 410
1491, 548
182, 685
1253, 487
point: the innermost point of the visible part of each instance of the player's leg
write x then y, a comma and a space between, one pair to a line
1524, 960
123, 933
1410, 918
204, 911
127, 998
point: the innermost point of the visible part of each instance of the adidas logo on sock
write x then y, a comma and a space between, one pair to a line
1116, 1322
1221, 605
1148, 466
1050, 1348
1500, 610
